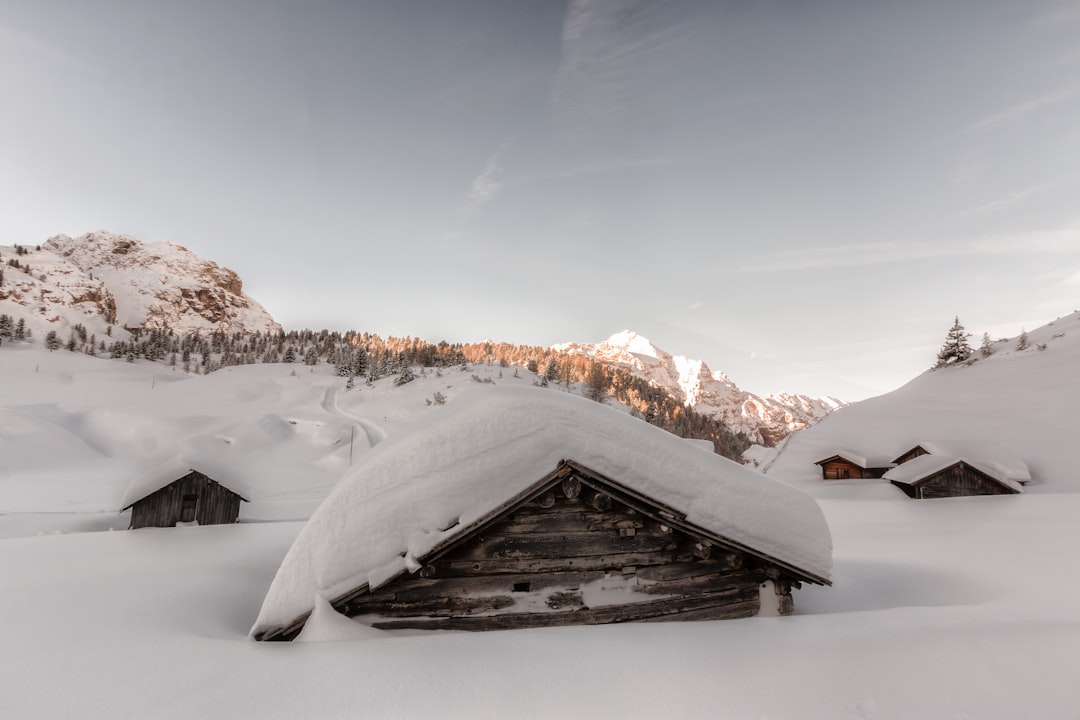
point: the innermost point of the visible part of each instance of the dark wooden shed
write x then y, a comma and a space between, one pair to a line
935, 476
575, 548
845, 465
193, 497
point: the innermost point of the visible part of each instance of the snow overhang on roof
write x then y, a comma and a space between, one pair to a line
915, 471
988, 455
418, 491
865, 462
151, 479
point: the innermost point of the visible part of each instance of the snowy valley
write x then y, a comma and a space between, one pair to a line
959, 607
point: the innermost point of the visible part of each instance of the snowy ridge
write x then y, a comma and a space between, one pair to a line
101, 279
420, 489
1003, 412
765, 420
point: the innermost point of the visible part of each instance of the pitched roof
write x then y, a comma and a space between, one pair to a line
985, 454
416, 492
149, 479
863, 461
923, 467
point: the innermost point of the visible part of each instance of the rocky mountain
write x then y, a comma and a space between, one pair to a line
102, 279
765, 420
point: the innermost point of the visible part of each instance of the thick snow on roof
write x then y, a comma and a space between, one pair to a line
985, 454
863, 461
150, 479
923, 466
419, 489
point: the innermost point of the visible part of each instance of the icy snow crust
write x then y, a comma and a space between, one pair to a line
422, 488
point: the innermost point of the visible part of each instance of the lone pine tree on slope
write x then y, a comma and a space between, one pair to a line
956, 348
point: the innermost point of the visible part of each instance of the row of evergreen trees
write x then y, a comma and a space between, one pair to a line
369, 357
956, 348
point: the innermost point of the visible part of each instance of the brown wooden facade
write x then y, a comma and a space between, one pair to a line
957, 480
577, 548
911, 454
840, 468
191, 498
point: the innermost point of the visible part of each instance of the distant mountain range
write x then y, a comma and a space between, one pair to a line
765, 420
109, 283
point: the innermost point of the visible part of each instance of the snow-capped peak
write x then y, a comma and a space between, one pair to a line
764, 420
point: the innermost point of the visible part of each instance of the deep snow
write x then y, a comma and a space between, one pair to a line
954, 608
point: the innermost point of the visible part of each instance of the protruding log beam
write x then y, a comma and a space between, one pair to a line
600, 501
571, 487
546, 500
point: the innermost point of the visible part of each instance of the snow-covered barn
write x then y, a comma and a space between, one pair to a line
522, 507
845, 465
178, 492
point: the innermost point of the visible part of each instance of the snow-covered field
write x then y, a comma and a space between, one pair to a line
958, 608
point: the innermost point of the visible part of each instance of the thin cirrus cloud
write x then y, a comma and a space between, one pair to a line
487, 184
604, 43
1061, 241
1019, 111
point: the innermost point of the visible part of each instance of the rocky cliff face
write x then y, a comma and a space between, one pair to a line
765, 420
102, 279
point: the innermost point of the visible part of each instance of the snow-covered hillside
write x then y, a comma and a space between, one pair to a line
765, 420
1018, 402
949, 608
101, 279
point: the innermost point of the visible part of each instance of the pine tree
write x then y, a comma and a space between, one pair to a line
405, 375
52, 342
1022, 341
987, 347
956, 348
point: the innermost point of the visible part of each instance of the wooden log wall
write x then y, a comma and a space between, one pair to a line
215, 504
546, 562
961, 480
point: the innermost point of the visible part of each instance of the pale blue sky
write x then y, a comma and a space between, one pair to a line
801, 194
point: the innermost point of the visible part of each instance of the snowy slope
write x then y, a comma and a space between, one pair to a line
765, 420
953, 608
1019, 403
101, 278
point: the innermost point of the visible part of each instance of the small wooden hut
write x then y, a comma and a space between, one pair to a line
937, 476
845, 465
487, 544
176, 494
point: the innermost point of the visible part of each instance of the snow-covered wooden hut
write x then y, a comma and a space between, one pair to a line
178, 492
957, 468
845, 465
522, 507
935, 476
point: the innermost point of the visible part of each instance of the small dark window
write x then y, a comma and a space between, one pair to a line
522, 587
187, 508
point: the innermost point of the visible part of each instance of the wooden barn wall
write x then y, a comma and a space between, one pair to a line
911, 455
540, 565
216, 505
844, 470
960, 480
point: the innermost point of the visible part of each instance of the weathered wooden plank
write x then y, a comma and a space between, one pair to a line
457, 606
511, 566
551, 545
416, 587
718, 562
731, 604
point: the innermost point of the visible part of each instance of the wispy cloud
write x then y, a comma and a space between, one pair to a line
1062, 241
1019, 111
487, 184
605, 46
1011, 199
